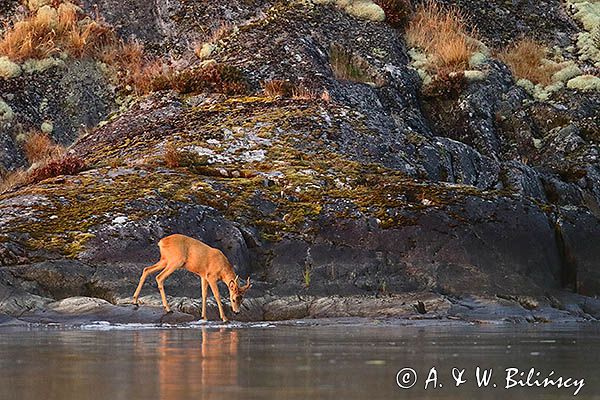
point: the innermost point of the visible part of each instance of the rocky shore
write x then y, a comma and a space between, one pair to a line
384, 192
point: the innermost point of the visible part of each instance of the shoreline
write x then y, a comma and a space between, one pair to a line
401, 309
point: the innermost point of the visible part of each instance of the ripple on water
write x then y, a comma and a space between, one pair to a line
108, 326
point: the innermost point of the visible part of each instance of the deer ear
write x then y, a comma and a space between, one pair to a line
231, 284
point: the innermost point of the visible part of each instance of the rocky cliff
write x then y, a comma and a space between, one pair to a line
381, 185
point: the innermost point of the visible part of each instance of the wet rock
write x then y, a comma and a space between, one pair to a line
80, 310
577, 233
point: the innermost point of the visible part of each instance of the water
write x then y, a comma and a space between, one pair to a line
298, 360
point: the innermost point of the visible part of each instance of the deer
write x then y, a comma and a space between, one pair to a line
210, 264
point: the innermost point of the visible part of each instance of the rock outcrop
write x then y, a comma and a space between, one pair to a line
354, 189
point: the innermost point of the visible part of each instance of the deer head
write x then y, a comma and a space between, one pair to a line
236, 293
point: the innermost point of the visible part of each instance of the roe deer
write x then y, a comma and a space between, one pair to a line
210, 264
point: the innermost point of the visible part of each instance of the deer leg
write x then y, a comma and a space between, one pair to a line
204, 294
147, 271
160, 280
215, 290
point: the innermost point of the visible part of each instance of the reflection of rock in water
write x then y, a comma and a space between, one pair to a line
208, 368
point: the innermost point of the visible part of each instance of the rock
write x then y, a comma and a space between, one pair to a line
81, 310
352, 195
73, 96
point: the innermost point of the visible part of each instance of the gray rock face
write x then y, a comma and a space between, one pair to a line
501, 23
172, 26
126, 241
499, 247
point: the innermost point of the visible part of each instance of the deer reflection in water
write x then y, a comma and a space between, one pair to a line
203, 369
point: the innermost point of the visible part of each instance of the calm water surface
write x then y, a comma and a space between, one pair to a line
329, 360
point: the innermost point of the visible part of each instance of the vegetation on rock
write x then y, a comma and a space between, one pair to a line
442, 33
61, 28
301, 140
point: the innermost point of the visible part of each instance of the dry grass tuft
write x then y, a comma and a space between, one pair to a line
132, 67
204, 48
53, 30
224, 29
49, 168
277, 88
12, 180
443, 34
172, 157
346, 66
281, 88
303, 93
39, 148
526, 61
65, 165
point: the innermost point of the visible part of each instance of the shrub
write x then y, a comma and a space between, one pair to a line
132, 67
213, 78
443, 34
66, 165
396, 12
526, 61
39, 147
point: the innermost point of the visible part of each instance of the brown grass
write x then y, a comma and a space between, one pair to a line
133, 67
303, 93
145, 74
223, 30
49, 168
65, 165
443, 34
50, 31
213, 78
346, 66
281, 88
525, 59
39, 147
172, 157
12, 180
277, 88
